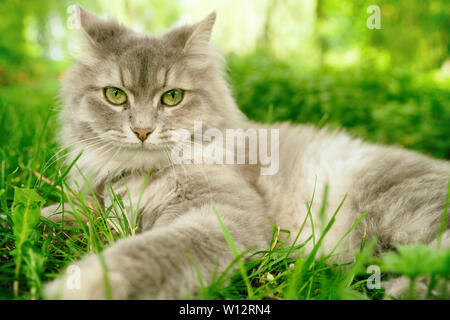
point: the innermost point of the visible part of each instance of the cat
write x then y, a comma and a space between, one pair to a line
124, 103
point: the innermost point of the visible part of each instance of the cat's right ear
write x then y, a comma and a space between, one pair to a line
198, 41
96, 30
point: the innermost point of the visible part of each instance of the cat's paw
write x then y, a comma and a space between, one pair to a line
86, 280
54, 212
51, 212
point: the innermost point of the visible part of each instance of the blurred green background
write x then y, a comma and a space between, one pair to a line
312, 61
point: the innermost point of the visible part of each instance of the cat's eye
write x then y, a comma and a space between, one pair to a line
172, 97
115, 95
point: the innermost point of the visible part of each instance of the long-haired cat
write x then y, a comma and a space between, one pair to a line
126, 100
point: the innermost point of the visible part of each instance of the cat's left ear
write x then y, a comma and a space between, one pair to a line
198, 41
96, 30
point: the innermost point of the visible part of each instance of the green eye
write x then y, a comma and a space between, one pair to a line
115, 95
172, 97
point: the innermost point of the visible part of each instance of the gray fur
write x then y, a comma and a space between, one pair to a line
403, 192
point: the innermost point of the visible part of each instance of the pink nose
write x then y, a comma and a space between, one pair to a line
142, 134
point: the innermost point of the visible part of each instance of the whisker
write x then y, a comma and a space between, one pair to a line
71, 145
79, 149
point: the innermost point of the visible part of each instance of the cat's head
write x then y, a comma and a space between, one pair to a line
132, 91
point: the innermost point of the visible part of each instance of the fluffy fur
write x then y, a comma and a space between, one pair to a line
402, 191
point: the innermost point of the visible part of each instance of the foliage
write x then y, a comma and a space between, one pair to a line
414, 261
25, 216
383, 106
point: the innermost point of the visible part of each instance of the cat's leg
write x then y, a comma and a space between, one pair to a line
164, 262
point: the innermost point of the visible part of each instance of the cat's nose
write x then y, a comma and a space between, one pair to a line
142, 134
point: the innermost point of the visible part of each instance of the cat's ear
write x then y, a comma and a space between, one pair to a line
198, 41
96, 30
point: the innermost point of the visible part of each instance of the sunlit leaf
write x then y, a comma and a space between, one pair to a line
418, 260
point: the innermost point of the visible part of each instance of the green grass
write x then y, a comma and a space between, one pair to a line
33, 251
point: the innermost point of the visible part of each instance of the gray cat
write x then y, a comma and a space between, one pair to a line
125, 103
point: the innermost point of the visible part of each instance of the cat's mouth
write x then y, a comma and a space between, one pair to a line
141, 146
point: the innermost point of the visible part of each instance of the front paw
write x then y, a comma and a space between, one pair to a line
87, 280
54, 213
